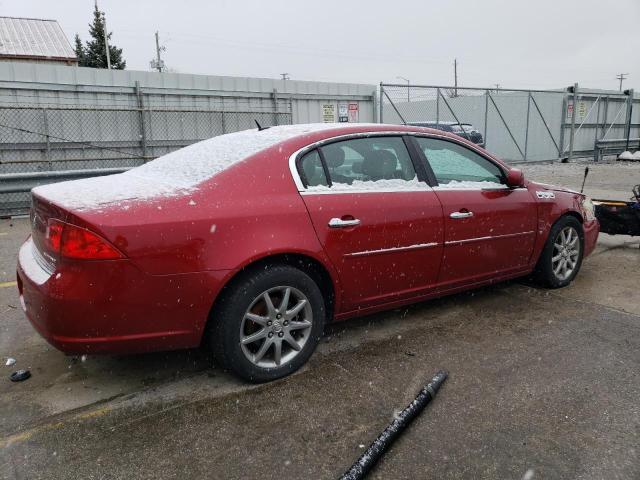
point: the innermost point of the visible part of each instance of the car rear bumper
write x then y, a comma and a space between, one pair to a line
114, 307
591, 230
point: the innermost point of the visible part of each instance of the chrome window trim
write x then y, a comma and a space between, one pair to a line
349, 136
362, 190
383, 133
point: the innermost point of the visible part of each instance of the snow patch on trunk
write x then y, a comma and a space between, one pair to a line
177, 173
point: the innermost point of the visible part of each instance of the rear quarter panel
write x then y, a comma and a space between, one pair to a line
246, 212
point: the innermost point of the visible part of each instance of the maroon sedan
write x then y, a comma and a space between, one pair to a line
250, 242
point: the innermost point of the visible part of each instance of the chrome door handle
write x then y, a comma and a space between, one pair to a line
340, 223
458, 215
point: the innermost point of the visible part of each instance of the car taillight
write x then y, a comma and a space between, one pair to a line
71, 241
53, 236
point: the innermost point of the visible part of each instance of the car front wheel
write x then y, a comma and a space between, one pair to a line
268, 323
562, 255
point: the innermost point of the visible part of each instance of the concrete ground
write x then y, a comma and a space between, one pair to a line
543, 384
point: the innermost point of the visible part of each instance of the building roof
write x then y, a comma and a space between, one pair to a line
33, 38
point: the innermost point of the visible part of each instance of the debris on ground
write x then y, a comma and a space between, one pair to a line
402, 419
10, 361
20, 375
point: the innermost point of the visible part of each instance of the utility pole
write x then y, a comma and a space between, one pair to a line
497, 87
158, 63
106, 42
622, 77
285, 76
455, 77
106, 37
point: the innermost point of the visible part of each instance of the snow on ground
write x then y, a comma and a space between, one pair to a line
605, 178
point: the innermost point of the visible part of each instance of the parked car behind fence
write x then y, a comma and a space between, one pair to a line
464, 130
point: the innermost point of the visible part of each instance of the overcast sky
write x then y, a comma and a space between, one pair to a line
516, 43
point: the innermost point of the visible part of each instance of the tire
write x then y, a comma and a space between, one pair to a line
549, 271
243, 323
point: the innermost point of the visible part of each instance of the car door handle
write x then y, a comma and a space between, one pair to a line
458, 215
340, 223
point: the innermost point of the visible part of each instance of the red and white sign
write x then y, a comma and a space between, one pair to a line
353, 112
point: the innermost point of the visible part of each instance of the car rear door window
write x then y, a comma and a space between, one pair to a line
456, 166
366, 164
312, 171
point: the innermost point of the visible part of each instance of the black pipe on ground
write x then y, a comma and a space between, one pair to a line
380, 445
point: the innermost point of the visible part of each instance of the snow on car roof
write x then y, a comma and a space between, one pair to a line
176, 173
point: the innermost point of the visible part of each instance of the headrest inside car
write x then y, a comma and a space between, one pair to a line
379, 164
333, 155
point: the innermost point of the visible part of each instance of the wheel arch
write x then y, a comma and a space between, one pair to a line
308, 264
571, 213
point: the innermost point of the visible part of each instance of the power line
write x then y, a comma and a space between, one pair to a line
621, 77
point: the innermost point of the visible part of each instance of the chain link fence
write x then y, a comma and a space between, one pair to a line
40, 144
517, 125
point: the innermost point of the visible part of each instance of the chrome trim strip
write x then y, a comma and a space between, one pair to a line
382, 190
438, 188
480, 239
392, 249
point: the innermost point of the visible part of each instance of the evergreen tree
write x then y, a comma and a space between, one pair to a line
94, 53
79, 49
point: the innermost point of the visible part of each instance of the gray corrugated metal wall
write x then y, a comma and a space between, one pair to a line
60, 85
58, 118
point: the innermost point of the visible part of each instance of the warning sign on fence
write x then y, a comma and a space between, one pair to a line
343, 108
582, 110
569, 111
328, 113
353, 112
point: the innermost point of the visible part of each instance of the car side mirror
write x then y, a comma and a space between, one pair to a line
515, 178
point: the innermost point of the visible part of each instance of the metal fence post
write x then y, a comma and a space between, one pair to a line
563, 124
143, 130
224, 123
605, 117
486, 116
629, 115
526, 131
573, 121
381, 102
597, 126
437, 106
274, 95
45, 123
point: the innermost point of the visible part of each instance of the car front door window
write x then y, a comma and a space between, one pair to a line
456, 166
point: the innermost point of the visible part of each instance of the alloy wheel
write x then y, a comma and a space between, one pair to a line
276, 326
566, 253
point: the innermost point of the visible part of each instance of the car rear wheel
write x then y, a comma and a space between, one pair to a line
561, 257
268, 323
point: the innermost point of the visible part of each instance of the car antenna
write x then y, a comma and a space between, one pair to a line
260, 127
584, 180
